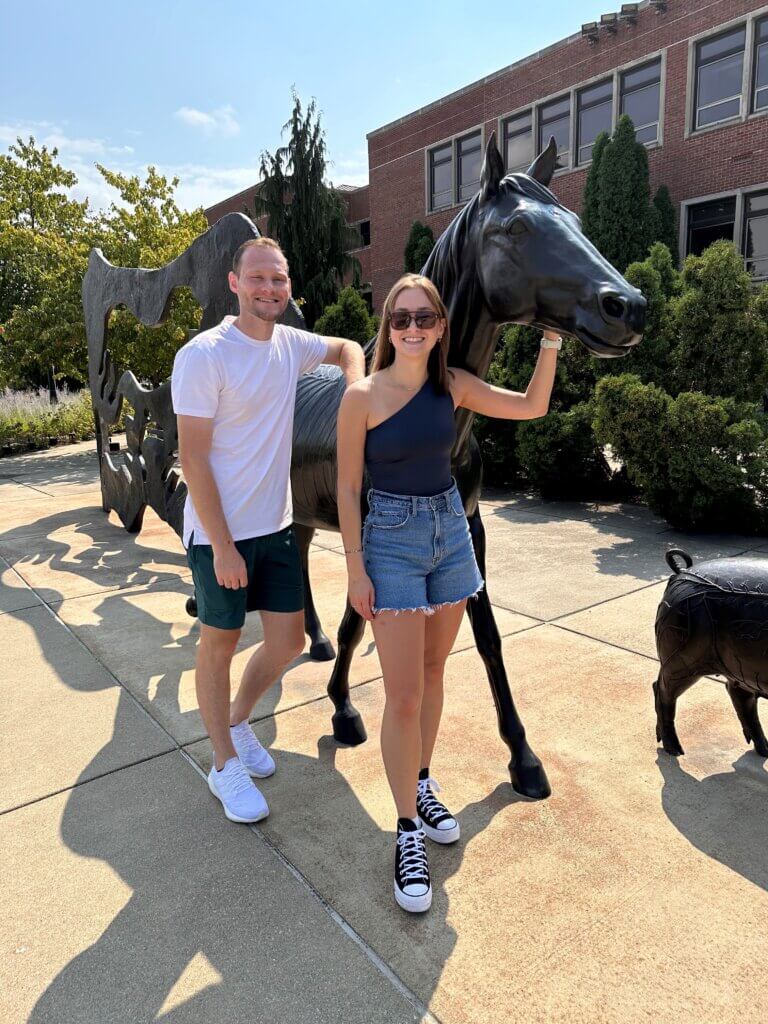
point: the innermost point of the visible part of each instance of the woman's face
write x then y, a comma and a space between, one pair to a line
412, 338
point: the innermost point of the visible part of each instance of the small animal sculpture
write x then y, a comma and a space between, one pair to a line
713, 620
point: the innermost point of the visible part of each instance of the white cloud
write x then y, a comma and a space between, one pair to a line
199, 185
221, 121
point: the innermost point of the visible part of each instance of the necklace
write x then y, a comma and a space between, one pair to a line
404, 387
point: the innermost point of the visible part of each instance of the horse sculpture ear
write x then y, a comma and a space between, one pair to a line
492, 172
545, 164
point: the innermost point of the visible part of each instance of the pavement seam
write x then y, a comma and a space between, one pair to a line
381, 965
85, 782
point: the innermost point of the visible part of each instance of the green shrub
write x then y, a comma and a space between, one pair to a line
348, 317
418, 247
559, 456
700, 461
720, 327
556, 454
27, 417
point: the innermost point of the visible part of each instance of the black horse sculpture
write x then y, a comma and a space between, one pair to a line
513, 254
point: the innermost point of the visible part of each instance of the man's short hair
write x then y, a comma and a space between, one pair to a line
253, 243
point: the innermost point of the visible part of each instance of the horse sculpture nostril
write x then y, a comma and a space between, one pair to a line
614, 307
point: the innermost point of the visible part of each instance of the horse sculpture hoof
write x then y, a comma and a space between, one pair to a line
348, 727
322, 650
530, 780
191, 607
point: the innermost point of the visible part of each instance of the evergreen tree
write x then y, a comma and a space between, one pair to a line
304, 214
348, 317
666, 220
590, 212
720, 326
421, 242
625, 218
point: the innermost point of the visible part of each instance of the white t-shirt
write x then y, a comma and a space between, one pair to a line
248, 389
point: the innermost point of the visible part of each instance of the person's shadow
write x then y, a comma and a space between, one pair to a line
206, 904
724, 815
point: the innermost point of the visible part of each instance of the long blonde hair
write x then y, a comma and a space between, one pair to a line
384, 350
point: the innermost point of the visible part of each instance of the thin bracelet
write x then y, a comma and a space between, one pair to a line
353, 551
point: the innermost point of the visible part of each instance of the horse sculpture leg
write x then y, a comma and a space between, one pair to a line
525, 769
320, 648
347, 722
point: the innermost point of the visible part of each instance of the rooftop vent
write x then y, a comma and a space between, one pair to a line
609, 22
659, 6
628, 13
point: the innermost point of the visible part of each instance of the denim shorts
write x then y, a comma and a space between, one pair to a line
418, 552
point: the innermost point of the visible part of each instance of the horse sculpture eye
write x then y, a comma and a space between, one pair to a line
517, 227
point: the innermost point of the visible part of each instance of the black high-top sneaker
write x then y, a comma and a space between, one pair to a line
413, 889
436, 820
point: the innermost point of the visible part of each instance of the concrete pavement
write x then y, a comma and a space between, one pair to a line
637, 891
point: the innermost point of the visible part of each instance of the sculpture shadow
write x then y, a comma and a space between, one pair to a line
636, 549
724, 815
183, 910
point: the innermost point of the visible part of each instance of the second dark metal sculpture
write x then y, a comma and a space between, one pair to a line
513, 254
713, 620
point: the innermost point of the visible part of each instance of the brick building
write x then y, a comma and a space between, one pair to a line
693, 75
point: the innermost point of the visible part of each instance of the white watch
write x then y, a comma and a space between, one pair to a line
552, 343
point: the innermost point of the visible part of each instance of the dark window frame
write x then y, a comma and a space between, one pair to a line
747, 217
699, 64
459, 184
758, 44
542, 125
742, 217
506, 136
432, 164
625, 91
452, 147
582, 107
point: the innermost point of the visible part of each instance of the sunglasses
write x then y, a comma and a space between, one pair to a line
401, 320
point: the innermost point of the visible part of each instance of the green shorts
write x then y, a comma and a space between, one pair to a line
275, 581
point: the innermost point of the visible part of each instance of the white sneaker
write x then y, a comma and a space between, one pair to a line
241, 800
253, 756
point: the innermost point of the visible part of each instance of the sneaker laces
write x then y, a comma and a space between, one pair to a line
237, 779
412, 862
246, 738
429, 805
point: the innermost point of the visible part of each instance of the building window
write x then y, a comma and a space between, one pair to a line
719, 74
708, 222
640, 97
756, 234
365, 232
555, 119
441, 177
760, 88
594, 115
465, 154
517, 141
469, 159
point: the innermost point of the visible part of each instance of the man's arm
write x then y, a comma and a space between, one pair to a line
348, 355
195, 437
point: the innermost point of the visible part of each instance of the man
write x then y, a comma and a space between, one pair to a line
234, 389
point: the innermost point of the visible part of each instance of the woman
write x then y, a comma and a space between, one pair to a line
414, 570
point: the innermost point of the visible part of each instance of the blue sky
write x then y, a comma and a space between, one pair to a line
199, 89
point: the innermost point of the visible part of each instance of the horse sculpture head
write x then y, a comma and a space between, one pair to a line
515, 254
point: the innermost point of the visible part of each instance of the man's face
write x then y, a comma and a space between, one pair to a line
262, 286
